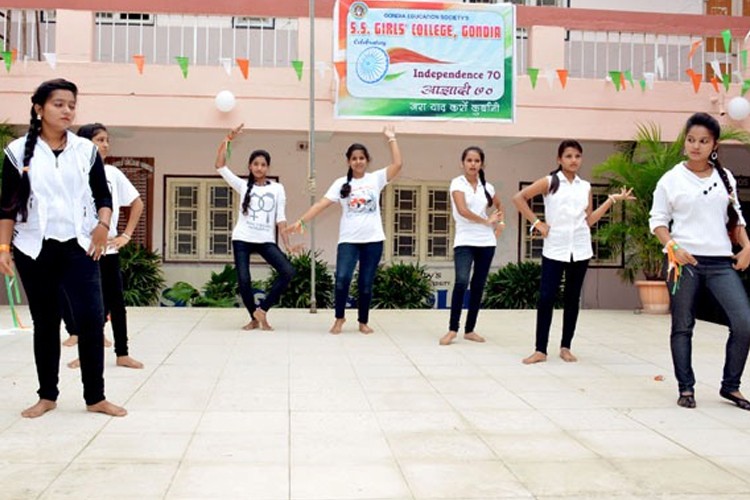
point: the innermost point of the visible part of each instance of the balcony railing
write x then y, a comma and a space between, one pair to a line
28, 32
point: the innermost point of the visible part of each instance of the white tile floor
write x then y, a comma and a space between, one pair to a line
221, 413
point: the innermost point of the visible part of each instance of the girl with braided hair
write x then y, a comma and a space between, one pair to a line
361, 233
696, 214
262, 211
569, 214
55, 209
475, 240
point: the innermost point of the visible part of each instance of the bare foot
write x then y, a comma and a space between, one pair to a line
70, 341
260, 316
251, 326
567, 356
107, 342
76, 363
128, 362
474, 337
447, 339
363, 328
107, 408
337, 326
40, 408
537, 357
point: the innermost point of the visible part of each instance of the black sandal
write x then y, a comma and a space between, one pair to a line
686, 400
741, 402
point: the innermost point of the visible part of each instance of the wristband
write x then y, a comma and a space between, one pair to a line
672, 244
533, 225
4, 248
612, 198
104, 224
502, 222
392, 139
126, 236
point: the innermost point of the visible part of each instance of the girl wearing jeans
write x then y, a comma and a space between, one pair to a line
56, 208
569, 215
475, 240
263, 210
361, 230
694, 211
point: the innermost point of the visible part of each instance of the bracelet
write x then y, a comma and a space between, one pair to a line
612, 198
533, 225
303, 225
672, 244
4, 247
502, 222
126, 236
104, 224
392, 139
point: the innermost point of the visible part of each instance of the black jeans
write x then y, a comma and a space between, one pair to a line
552, 273
347, 255
271, 253
114, 303
463, 257
716, 275
64, 266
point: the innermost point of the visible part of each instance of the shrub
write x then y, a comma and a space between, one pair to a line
515, 286
220, 290
180, 294
142, 277
400, 286
298, 294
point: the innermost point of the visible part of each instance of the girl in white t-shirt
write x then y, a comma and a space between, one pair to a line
262, 211
569, 212
361, 230
479, 219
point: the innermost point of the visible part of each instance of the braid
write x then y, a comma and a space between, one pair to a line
555, 181
732, 215
246, 199
21, 198
484, 185
346, 189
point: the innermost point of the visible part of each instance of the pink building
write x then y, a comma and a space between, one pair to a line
165, 127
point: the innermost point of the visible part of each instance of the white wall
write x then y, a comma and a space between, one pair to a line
665, 6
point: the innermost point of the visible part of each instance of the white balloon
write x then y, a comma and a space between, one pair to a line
225, 101
738, 108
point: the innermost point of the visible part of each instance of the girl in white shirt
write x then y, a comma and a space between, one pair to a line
569, 214
361, 229
475, 240
262, 211
695, 209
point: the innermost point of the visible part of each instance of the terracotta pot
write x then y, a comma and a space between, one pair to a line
654, 296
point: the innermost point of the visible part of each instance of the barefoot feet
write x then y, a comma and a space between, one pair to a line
363, 328
260, 316
337, 326
537, 357
70, 341
107, 408
129, 362
107, 342
474, 337
76, 363
567, 356
252, 325
40, 408
448, 338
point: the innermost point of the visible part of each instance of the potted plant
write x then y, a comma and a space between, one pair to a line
639, 164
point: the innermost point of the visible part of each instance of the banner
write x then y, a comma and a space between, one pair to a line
424, 60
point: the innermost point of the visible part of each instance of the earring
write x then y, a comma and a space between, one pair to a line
714, 156
39, 117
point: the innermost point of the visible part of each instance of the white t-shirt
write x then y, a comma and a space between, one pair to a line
697, 209
266, 209
360, 211
470, 233
123, 195
565, 212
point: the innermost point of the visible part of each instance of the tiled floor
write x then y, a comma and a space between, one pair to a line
222, 413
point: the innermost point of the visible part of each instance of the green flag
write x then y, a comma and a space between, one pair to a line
8, 58
629, 77
297, 65
616, 76
726, 80
745, 87
642, 82
533, 75
183, 62
743, 55
727, 36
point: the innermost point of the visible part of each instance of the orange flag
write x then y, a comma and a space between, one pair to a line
693, 48
139, 60
622, 80
244, 65
562, 74
715, 83
340, 68
13, 55
696, 78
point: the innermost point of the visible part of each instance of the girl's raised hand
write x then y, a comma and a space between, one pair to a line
624, 194
389, 131
235, 132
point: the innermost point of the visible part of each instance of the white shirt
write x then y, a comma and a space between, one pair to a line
266, 209
360, 211
697, 209
565, 213
123, 195
470, 233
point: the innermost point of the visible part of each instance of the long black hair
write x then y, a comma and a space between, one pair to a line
90, 130
713, 127
480, 152
567, 143
251, 178
346, 189
20, 199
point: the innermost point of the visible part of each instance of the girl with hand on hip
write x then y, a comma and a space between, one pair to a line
361, 233
263, 210
55, 210
569, 215
475, 240
694, 213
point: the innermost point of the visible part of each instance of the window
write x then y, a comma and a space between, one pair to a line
531, 3
530, 248
267, 23
417, 221
136, 18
